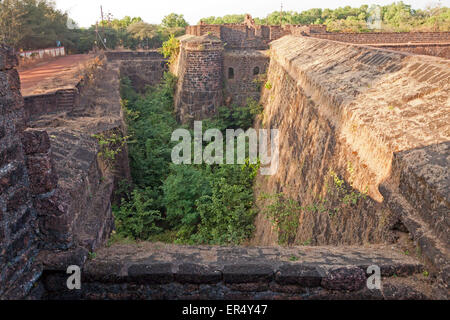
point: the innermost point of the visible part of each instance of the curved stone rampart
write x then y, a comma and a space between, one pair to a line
380, 120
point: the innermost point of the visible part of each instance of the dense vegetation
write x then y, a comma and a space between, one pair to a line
209, 204
397, 16
36, 24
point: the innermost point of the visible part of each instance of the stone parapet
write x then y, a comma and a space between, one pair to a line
158, 271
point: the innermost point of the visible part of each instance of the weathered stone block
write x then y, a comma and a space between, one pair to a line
297, 274
56, 204
14, 173
42, 173
110, 272
35, 141
9, 154
151, 273
247, 273
21, 222
194, 273
10, 97
344, 278
19, 198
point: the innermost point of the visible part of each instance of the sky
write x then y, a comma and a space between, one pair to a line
87, 12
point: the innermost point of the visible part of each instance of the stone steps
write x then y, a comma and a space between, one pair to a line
66, 99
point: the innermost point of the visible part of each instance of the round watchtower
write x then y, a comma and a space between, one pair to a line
200, 72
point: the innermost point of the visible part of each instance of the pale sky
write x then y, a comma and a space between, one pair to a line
87, 12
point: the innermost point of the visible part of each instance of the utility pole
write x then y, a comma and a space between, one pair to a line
103, 40
101, 12
99, 37
96, 35
281, 14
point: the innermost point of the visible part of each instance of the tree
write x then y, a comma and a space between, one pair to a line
397, 16
32, 24
143, 31
123, 23
11, 13
174, 20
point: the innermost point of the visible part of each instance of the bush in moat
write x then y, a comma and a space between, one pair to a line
195, 204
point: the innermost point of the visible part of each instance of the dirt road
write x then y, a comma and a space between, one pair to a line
52, 75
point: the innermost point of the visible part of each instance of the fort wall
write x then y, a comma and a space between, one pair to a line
375, 120
373, 117
243, 73
143, 68
252, 36
200, 81
386, 37
426, 43
243, 52
441, 50
56, 190
18, 219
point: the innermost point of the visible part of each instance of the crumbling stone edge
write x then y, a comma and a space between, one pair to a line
283, 280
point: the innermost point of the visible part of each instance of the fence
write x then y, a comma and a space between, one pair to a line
52, 52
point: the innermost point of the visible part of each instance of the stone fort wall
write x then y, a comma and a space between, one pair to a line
387, 37
143, 68
243, 73
161, 271
252, 36
378, 119
18, 218
200, 82
241, 48
426, 43
383, 112
56, 191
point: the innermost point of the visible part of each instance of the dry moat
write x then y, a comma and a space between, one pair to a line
364, 151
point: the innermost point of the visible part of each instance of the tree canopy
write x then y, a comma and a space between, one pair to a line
174, 20
397, 16
30, 24
37, 24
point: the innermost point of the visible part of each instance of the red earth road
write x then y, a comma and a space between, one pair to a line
50, 75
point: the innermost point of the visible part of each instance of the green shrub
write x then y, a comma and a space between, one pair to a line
137, 217
170, 48
285, 214
151, 126
182, 188
234, 117
182, 203
227, 214
111, 144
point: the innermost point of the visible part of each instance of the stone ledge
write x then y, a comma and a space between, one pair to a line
392, 289
162, 271
306, 276
194, 273
60, 260
157, 273
247, 273
246, 268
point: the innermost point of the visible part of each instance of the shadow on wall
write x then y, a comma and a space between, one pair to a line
418, 191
